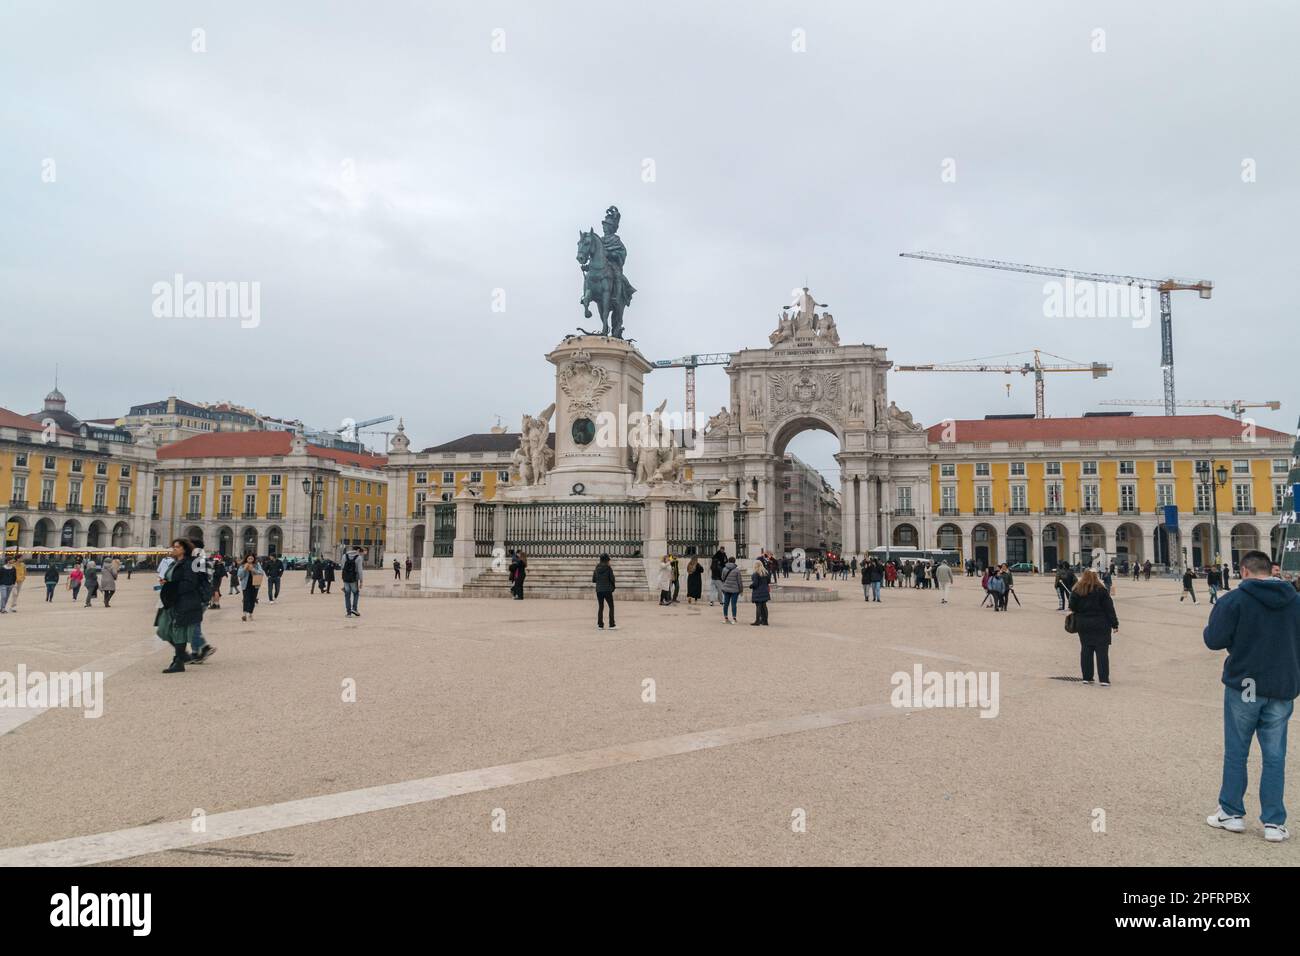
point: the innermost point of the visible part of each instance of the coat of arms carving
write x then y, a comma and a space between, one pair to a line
584, 384
805, 390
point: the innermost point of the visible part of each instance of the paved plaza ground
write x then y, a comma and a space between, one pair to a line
525, 716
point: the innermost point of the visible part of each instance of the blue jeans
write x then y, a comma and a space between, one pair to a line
1266, 718
729, 600
875, 590
197, 643
351, 595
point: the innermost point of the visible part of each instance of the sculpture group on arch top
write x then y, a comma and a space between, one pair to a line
808, 389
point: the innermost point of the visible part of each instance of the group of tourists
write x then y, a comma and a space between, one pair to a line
727, 583
919, 574
190, 584
1217, 577
999, 587
246, 578
99, 581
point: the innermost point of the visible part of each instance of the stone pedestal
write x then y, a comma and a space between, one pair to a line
599, 383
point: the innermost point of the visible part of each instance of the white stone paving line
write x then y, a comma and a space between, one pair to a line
11, 718
160, 837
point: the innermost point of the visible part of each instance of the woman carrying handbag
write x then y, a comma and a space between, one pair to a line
1092, 617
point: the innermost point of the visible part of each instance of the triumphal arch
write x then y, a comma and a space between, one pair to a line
808, 379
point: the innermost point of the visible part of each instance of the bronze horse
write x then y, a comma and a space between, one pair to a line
602, 284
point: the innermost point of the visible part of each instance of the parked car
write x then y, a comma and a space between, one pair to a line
1026, 567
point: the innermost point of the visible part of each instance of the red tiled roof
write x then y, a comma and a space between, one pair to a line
11, 419
1099, 428
258, 444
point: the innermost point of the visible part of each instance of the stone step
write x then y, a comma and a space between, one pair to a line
561, 577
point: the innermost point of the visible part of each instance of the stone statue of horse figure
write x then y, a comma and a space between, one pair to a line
602, 284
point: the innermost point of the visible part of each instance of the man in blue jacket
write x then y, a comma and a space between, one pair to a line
1258, 624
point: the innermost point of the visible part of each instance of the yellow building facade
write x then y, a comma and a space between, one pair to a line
1054, 490
268, 492
64, 489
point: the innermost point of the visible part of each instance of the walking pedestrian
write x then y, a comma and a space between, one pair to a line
1259, 626
108, 582
760, 592
665, 582
180, 602
330, 568
694, 581
251, 576
715, 576
92, 582
274, 569
603, 578
20, 575
677, 576
7, 578
51, 582
219, 572
1188, 577
877, 576
998, 589
943, 580
353, 572
397, 570
1065, 582
75, 577
200, 649
730, 586
409, 564
518, 571
1092, 614
1213, 578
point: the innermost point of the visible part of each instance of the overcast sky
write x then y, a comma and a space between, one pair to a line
380, 171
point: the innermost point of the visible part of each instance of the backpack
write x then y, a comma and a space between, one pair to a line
203, 587
997, 584
350, 568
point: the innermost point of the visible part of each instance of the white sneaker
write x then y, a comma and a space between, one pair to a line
1276, 833
1222, 821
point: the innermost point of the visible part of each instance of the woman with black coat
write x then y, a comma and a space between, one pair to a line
760, 592
182, 602
1093, 616
694, 581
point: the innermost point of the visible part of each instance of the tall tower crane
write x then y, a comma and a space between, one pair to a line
1164, 286
1098, 370
691, 363
1234, 405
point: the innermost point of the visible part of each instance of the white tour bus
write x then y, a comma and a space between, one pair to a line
900, 555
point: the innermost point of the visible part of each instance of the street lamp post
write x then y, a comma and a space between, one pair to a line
311, 489
1221, 476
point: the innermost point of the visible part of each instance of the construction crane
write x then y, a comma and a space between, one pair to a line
1164, 286
349, 430
1098, 370
691, 363
1234, 405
